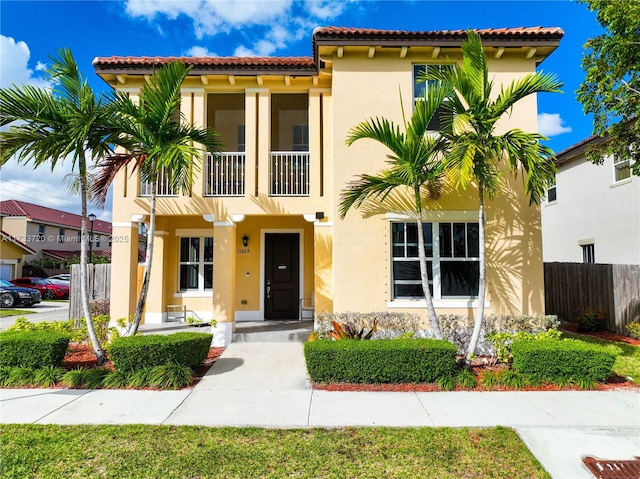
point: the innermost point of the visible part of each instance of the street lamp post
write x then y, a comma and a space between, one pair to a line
92, 218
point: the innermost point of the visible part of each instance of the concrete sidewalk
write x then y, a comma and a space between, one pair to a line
265, 385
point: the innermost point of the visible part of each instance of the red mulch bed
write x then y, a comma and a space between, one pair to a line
481, 366
82, 356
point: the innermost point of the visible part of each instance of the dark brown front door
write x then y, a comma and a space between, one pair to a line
282, 276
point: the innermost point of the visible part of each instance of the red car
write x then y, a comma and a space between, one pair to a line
47, 289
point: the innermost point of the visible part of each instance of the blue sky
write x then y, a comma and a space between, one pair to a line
31, 31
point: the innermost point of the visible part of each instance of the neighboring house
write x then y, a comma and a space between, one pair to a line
11, 253
259, 234
51, 233
592, 213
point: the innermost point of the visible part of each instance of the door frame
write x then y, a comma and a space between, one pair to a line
263, 233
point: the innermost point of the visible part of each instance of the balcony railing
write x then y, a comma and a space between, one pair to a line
224, 174
163, 186
289, 173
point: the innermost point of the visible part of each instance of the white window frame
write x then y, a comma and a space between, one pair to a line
552, 187
436, 261
303, 132
201, 263
61, 235
620, 165
41, 232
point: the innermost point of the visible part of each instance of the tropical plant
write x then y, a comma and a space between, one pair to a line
346, 331
477, 151
158, 140
414, 165
48, 126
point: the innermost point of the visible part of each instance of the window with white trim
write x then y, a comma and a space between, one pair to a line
419, 88
40, 233
453, 262
61, 235
622, 169
552, 194
195, 272
588, 253
300, 137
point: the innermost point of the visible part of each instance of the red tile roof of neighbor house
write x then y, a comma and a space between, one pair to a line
327, 35
42, 214
578, 148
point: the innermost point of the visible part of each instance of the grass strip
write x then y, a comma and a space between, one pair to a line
139, 451
627, 363
14, 312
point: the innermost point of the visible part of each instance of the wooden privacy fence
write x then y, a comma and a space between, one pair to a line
613, 288
99, 285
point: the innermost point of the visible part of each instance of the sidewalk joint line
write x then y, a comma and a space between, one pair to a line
87, 391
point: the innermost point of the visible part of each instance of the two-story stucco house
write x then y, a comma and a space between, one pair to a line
592, 213
260, 234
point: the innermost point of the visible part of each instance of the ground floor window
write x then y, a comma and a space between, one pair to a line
453, 263
196, 264
588, 253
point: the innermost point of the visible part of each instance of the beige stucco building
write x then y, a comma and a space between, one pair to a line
259, 234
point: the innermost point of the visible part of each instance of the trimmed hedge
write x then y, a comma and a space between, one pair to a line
132, 353
566, 359
33, 349
380, 360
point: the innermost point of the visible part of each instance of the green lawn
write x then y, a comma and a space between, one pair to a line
46, 451
14, 312
628, 361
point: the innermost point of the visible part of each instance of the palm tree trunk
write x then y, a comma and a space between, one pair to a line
142, 299
424, 276
84, 289
482, 282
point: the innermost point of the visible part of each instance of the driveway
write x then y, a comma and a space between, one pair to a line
45, 311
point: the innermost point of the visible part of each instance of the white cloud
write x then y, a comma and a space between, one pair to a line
550, 124
14, 64
197, 51
280, 24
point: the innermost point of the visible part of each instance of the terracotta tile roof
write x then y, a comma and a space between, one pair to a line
42, 214
211, 63
7, 237
308, 65
352, 33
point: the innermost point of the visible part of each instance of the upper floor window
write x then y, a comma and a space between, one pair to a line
40, 232
241, 138
61, 235
551, 192
622, 169
419, 88
300, 138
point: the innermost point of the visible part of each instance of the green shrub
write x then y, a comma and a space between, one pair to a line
380, 361
21, 376
33, 349
591, 320
490, 380
170, 376
48, 376
560, 361
446, 383
75, 378
132, 353
116, 380
139, 378
466, 379
502, 340
634, 328
23, 324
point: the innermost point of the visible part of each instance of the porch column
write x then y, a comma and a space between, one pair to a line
263, 151
155, 308
323, 266
251, 140
224, 269
192, 106
124, 270
316, 139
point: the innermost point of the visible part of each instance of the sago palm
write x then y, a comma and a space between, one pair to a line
67, 122
414, 165
477, 151
158, 142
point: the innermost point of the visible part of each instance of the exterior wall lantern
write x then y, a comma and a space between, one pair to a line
245, 241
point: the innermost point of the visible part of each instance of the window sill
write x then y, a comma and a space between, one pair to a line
626, 181
437, 303
194, 294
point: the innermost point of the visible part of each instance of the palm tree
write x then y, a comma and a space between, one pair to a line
67, 122
414, 164
159, 143
477, 151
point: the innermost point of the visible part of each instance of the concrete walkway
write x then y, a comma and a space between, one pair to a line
265, 384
